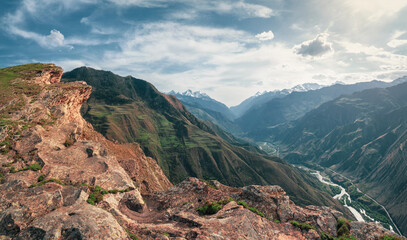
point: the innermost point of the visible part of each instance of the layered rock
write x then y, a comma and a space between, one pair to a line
53, 159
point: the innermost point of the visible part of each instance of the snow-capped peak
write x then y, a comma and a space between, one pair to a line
306, 87
190, 93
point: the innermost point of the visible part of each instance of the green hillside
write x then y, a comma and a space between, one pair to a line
127, 109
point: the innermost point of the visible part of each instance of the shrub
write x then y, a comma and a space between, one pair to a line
95, 195
343, 226
341, 222
209, 208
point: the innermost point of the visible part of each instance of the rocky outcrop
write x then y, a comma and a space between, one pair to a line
53, 159
252, 212
59, 179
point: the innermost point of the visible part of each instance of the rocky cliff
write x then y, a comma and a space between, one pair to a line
59, 179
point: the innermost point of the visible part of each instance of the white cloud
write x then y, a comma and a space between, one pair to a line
140, 3
264, 36
395, 41
240, 8
316, 47
375, 10
223, 60
53, 40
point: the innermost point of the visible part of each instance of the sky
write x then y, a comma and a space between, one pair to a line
229, 49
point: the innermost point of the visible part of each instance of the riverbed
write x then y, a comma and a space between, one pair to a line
342, 195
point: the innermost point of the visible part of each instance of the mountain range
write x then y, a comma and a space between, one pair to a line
357, 130
265, 96
126, 109
363, 136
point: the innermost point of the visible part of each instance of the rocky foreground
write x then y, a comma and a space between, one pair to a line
60, 179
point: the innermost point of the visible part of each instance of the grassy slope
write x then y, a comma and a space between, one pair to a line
132, 110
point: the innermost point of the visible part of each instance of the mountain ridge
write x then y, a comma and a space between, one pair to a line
182, 145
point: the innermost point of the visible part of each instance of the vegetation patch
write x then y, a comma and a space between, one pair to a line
389, 237
96, 193
32, 167
209, 184
41, 178
132, 235
1, 177
58, 181
303, 226
210, 208
256, 211
213, 207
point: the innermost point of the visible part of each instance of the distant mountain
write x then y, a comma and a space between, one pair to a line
126, 109
206, 108
263, 97
202, 101
293, 106
363, 136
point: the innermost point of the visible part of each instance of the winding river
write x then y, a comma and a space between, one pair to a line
342, 195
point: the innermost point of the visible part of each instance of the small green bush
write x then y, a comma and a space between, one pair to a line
343, 226
341, 222
209, 208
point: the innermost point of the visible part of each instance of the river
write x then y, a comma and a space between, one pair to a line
342, 195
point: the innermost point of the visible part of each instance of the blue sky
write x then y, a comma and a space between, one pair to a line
229, 49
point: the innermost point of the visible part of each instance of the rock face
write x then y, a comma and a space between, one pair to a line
59, 179
51, 159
